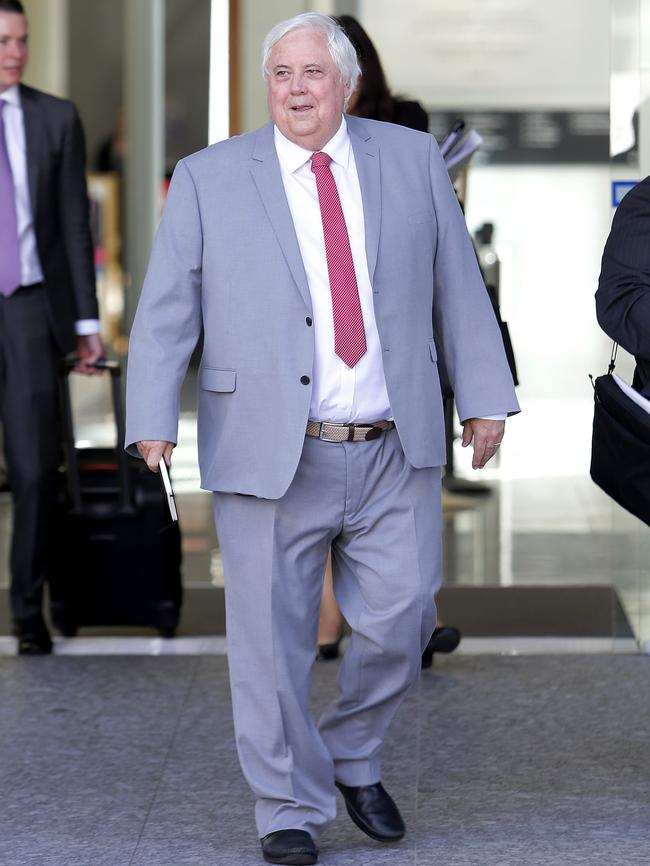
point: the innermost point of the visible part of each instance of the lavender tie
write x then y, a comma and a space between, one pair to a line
9, 249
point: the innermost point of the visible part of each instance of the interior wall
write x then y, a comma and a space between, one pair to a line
497, 54
187, 76
96, 52
48, 45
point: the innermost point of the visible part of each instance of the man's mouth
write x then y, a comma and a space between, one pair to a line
301, 109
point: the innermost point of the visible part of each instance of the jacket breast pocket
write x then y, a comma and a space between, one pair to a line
223, 381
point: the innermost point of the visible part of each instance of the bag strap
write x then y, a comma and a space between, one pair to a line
612, 360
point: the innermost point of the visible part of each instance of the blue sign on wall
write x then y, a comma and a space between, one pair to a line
620, 188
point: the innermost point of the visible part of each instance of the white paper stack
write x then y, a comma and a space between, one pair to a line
639, 399
458, 146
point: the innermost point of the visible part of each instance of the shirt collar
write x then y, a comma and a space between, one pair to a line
293, 157
12, 95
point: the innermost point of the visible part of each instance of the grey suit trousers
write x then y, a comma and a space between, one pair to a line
382, 519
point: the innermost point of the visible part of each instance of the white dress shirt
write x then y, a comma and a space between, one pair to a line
30, 264
340, 394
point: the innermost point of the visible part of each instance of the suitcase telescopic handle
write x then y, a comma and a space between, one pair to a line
72, 460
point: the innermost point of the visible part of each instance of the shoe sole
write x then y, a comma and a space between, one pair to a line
33, 650
292, 859
366, 829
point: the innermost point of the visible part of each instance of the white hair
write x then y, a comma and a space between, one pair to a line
341, 49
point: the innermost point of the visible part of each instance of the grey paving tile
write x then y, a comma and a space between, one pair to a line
537, 762
83, 746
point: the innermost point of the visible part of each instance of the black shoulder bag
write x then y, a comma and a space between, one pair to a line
620, 445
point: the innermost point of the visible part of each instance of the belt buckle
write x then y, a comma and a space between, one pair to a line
323, 436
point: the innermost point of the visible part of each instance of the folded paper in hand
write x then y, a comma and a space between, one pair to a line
458, 146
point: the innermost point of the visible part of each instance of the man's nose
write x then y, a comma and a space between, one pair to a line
297, 84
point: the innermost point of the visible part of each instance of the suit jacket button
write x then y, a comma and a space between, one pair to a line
308, 320
305, 380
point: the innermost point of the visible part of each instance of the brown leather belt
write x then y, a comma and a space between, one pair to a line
348, 432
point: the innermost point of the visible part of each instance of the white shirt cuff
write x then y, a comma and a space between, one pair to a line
493, 417
86, 327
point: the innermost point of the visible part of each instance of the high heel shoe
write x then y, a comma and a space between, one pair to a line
328, 651
445, 639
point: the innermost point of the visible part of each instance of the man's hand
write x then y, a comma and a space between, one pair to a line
487, 436
153, 449
89, 350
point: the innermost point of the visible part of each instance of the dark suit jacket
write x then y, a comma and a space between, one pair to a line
57, 184
623, 296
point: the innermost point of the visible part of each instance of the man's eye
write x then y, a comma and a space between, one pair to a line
313, 72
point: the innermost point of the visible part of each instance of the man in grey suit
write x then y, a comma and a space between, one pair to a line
318, 253
48, 305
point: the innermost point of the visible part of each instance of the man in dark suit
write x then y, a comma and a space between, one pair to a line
48, 305
623, 296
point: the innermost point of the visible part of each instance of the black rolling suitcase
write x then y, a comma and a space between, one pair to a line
116, 554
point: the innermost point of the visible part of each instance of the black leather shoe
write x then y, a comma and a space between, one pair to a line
372, 809
33, 637
445, 639
328, 651
289, 846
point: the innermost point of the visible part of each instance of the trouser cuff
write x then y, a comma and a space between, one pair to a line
357, 773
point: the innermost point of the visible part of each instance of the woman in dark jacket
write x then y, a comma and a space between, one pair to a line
372, 98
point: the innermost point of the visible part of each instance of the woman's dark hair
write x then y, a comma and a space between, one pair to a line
375, 99
12, 6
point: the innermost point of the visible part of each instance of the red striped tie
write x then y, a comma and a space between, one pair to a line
349, 334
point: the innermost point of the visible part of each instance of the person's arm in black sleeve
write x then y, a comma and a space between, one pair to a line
623, 296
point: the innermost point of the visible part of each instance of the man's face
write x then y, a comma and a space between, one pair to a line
306, 94
13, 48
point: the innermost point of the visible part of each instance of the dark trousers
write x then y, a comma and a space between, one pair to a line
29, 362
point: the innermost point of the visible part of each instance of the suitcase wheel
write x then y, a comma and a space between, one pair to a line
167, 632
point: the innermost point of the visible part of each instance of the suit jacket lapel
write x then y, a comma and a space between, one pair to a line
268, 179
34, 136
366, 157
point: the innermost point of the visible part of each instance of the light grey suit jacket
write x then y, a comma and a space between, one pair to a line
226, 257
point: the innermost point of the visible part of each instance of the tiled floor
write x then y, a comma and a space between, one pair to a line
494, 761
514, 751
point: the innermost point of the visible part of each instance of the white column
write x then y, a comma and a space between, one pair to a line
219, 98
144, 100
